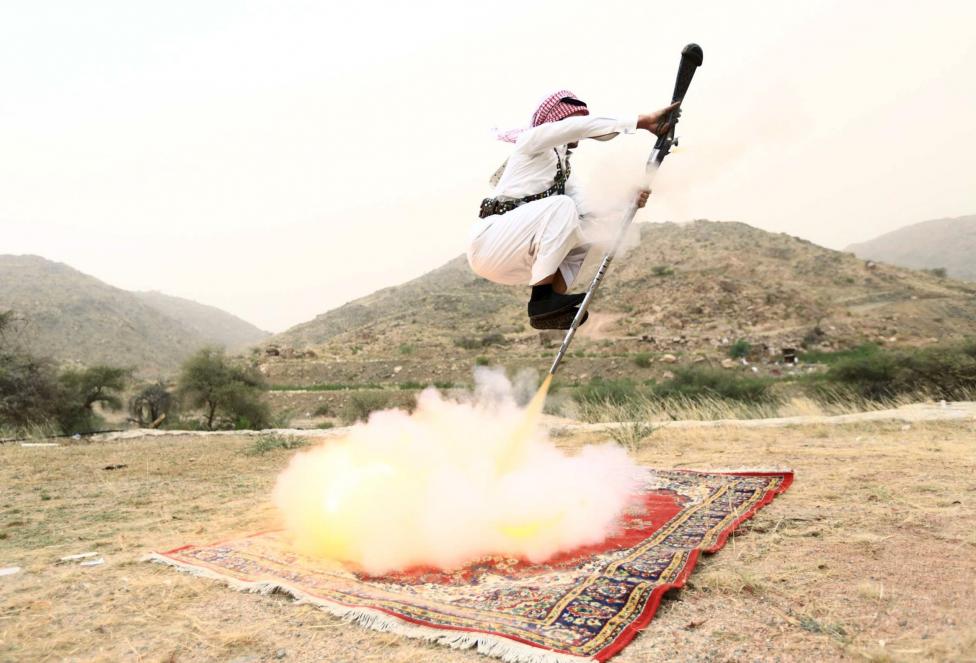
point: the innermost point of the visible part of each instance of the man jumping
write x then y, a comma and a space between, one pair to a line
530, 230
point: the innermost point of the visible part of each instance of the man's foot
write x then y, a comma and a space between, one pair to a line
552, 303
559, 320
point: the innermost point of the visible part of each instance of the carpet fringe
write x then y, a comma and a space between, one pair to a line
505, 649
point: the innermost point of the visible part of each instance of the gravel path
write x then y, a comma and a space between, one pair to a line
959, 411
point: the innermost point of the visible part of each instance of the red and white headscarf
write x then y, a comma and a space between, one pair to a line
552, 109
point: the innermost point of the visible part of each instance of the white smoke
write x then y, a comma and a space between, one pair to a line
426, 488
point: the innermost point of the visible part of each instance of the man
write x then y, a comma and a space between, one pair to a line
530, 230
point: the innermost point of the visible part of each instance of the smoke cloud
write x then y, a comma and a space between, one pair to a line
428, 488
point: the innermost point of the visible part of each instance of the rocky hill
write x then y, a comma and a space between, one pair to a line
686, 290
948, 244
208, 322
76, 318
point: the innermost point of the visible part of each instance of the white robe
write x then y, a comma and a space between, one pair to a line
529, 243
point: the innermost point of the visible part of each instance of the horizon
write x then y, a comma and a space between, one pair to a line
423, 273
246, 156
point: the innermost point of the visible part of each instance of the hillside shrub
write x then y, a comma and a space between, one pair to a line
360, 406
481, 360
822, 357
229, 394
493, 339
740, 349
467, 343
812, 337
944, 371
699, 382
323, 410
642, 359
661, 270
614, 392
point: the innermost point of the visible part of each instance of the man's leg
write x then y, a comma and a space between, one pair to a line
558, 256
556, 281
530, 244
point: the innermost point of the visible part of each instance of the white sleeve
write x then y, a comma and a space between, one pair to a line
551, 134
574, 191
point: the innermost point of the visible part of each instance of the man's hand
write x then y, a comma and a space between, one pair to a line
659, 122
642, 198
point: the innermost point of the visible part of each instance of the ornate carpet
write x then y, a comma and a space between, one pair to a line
585, 605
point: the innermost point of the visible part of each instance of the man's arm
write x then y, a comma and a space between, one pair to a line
552, 134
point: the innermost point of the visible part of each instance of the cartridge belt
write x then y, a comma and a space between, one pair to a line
491, 206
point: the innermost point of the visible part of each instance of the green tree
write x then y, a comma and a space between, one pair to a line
150, 403
229, 394
6, 322
82, 389
29, 391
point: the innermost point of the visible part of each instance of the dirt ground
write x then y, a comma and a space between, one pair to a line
871, 555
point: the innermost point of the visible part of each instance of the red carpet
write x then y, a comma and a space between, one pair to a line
580, 606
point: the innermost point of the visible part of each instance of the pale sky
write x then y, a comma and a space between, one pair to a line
277, 159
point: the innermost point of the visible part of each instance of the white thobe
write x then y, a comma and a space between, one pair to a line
532, 241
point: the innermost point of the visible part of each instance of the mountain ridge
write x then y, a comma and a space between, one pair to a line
207, 321
688, 289
76, 318
948, 243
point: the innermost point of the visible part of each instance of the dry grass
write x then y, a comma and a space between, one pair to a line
644, 408
871, 555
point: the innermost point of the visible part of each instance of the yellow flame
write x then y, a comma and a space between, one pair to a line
529, 529
513, 451
446, 484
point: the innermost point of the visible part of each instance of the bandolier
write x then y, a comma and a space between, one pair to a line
491, 206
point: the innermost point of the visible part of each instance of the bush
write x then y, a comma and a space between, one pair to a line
661, 270
406, 349
467, 343
324, 410
946, 371
481, 361
265, 443
715, 383
493, 339
150, 403
939, 272
642, 359
740, 349
360, 406
818, 357
229, 394
813, 337
631, 435
615, 392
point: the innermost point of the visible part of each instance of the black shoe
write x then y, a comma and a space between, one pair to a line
554, 304
560, 320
